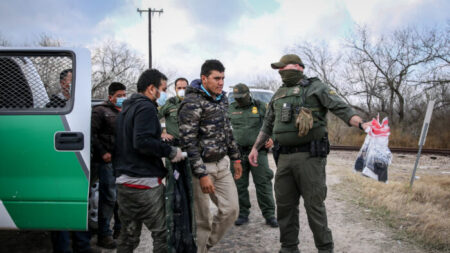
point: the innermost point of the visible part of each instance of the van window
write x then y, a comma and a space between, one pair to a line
36, 83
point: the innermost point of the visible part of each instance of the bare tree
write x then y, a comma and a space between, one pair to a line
400, 60
3, 41
114, 61
46, 40
390, 74
265, 82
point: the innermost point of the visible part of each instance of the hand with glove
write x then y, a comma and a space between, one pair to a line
178, 155
304, 121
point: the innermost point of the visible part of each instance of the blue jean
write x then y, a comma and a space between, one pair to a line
107, 200
61, 241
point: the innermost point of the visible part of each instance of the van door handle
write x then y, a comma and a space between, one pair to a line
69, 141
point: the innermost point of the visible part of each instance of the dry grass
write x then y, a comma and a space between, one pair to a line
401, 136
423, 212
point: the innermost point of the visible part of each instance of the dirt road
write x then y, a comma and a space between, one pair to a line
354, 228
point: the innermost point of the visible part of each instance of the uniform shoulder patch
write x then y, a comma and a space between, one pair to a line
332, 92
280, 93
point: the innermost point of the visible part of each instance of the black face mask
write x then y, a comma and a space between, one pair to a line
244, 101
291, 76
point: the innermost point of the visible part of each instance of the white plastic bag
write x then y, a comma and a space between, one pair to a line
362, 155
375, 157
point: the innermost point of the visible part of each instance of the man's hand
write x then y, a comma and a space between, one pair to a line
355, 120
269, 143
178, 157
166, 137
366, 125
206, 185
237, 170
107, 157
253, 157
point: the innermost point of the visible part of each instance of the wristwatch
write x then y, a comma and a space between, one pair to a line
360, 126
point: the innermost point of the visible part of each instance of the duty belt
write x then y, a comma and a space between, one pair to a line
294, 149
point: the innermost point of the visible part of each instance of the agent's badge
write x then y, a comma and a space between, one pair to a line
255, 110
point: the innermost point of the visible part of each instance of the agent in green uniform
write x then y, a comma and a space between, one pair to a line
247, 115
169, 112
296, 117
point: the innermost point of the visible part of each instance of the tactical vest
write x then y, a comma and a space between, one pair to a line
288, 101
246, 122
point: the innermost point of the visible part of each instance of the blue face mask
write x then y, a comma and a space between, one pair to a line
162, 98
119, 101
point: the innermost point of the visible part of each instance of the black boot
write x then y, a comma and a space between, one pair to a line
241, 221
272, 222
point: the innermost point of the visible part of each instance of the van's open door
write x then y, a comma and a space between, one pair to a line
44, 138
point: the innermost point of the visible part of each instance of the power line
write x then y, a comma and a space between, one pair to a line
150, 12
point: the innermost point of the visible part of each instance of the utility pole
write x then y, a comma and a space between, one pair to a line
150, 12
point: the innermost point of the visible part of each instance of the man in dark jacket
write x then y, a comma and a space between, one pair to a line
205, 133
103, 130
138, 165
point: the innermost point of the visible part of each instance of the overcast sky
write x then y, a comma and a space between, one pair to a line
246, 35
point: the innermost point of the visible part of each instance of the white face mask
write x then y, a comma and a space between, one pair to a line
181, 93
162, 98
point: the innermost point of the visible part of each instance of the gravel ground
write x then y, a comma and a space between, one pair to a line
353, 227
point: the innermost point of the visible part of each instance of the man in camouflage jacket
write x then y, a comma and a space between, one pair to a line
205, 134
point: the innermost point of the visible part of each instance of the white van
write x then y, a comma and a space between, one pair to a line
256, 93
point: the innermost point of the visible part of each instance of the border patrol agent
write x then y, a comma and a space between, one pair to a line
296, 117
169, 111
247, 115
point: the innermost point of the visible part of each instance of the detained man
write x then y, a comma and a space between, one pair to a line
138, 165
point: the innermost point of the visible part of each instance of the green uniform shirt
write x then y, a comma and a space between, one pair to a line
169, 112
310, 93
246, 121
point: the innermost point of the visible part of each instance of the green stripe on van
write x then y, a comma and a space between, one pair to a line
48, 215
36, 180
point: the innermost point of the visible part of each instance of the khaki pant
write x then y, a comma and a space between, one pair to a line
211, 229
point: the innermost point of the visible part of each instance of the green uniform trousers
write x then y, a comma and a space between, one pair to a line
262, 177
297, 175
